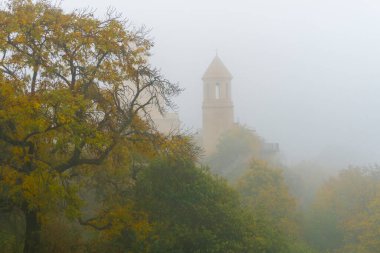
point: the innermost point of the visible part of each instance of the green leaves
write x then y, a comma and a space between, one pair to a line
191, 211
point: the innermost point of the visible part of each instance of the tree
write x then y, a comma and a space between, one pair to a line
72, 88
304, 180
192, 211
265, 193
236, 148
344, 216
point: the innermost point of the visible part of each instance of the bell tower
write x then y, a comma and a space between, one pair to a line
218, 114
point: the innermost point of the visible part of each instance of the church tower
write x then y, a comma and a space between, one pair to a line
218, 114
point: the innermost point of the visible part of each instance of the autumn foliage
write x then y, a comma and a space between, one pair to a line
82, 168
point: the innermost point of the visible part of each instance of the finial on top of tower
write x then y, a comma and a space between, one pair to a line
216, 69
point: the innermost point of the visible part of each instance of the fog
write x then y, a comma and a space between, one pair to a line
305, 72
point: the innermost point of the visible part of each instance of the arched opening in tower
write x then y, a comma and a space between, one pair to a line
217, 90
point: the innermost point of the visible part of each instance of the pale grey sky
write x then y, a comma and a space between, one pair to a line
306, 72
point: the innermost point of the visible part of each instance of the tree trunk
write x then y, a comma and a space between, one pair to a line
32, 231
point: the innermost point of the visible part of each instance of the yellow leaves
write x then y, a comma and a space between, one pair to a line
10, 183
125, 218
348, 206
179, 147
9, 176
40, 189
19, 112
142, 227
264, 191
45, 190
66, 110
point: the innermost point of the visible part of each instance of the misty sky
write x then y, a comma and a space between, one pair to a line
306, 72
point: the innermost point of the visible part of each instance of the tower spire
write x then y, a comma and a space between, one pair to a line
216, 69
